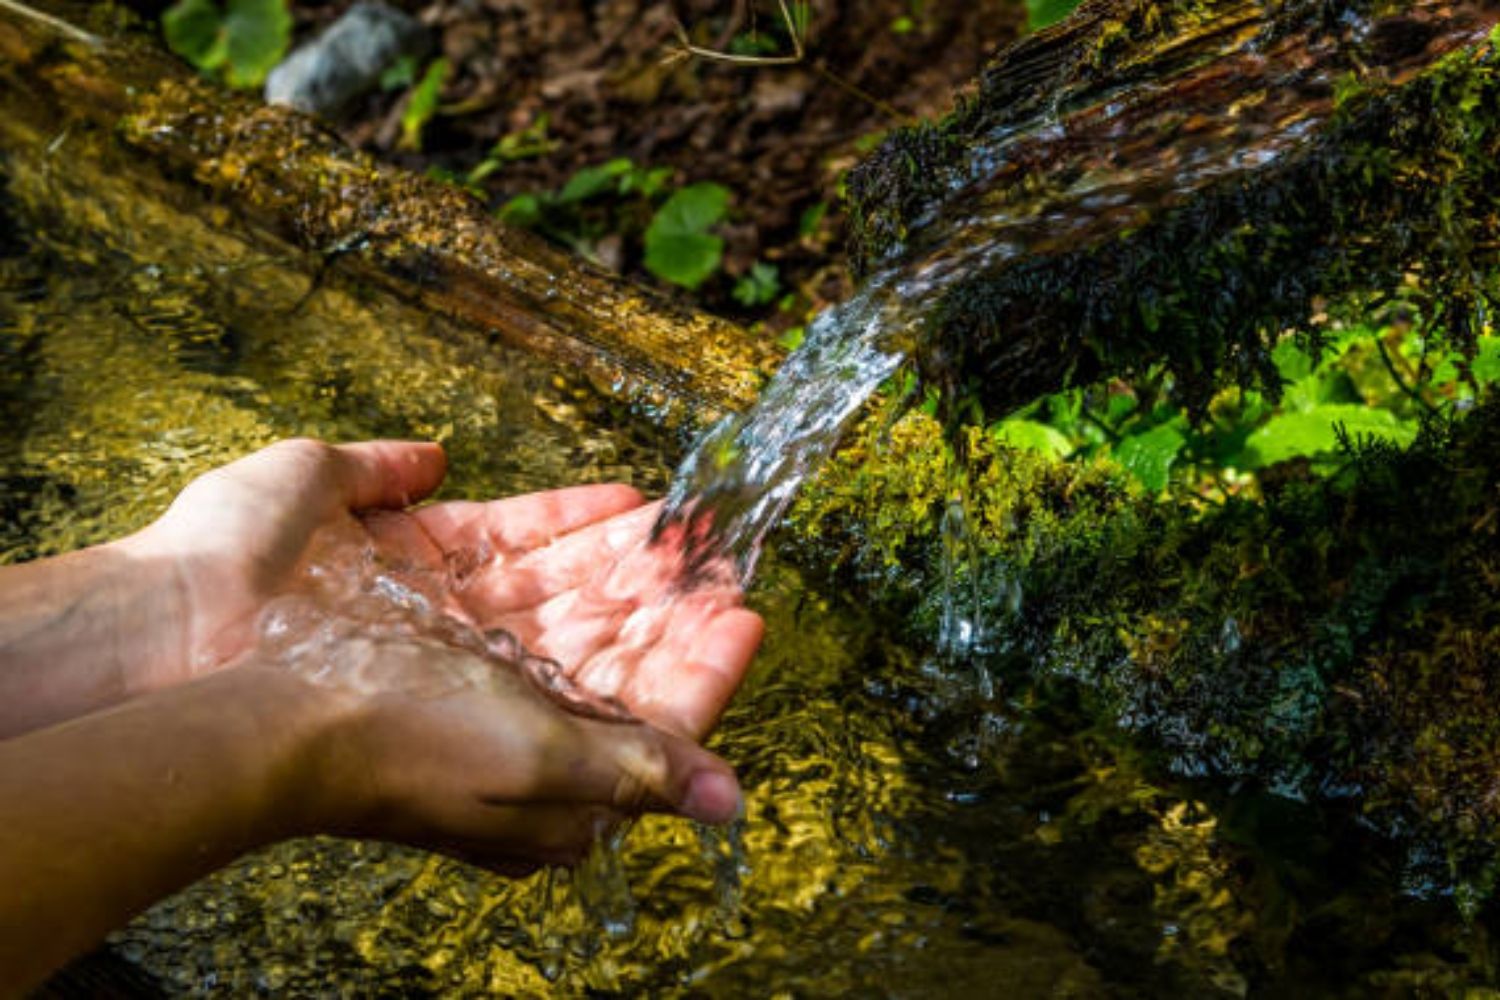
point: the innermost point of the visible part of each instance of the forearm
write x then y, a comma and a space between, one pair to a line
102, 816
80, 632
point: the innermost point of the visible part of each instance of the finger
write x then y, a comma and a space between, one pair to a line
526, 522
684, 685
631, 768
295, 484
388, 474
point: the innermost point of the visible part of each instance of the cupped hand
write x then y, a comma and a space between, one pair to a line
568, 572
482, 766
489, 770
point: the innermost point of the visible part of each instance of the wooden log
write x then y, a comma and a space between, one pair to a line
88, 103
1180, 182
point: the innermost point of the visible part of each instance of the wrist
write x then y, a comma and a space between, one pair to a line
317, 774
295, 732
149, 614
81, 632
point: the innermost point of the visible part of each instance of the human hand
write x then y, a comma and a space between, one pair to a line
453, 753
451, 750
567, 572
234, 537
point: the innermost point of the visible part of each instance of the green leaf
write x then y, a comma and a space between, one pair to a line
1486, 365
812, 218
523, 211
1291, 361
1041, 13
192, 31
646, 183
422, 104
801, 17
530, 142
760, 286
590, 181
244, 41
1150, 456
1314, 432
793, 338
400, 74
257, 33
1033, 436
1325, 386
679, 247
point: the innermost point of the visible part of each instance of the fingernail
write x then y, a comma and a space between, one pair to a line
712, 797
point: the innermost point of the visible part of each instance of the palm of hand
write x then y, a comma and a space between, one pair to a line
568, 572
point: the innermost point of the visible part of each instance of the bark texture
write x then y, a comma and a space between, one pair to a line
89, 102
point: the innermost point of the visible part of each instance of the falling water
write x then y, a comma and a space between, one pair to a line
1129, 158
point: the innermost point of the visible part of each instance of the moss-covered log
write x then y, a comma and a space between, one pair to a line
88, 101
1181, 181
1339, 641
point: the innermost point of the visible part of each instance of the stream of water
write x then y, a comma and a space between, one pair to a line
1132, 153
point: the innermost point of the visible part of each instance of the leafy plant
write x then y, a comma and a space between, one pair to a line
1320, 430
759, 287
530, 142
592, 181
240, 41
618, 198
1369, 384
679, 246
423, 104
584, 209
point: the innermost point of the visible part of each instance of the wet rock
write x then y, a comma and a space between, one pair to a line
325, 75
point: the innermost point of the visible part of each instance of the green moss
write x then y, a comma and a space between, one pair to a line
1337, 640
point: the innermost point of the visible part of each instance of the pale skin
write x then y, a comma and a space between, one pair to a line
142, 745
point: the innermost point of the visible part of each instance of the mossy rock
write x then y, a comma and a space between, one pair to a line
1340, 640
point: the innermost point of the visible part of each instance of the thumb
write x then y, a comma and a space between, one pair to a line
646, 770
389, 474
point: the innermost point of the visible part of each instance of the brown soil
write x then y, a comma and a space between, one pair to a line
609, 77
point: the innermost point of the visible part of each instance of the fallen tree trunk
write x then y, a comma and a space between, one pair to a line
101, 110
1181, 182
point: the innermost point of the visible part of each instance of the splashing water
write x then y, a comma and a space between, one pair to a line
359, 620
732, 489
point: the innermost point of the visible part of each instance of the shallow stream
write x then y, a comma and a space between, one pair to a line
900, 840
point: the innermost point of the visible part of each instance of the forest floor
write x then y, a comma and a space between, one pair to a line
537, 92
